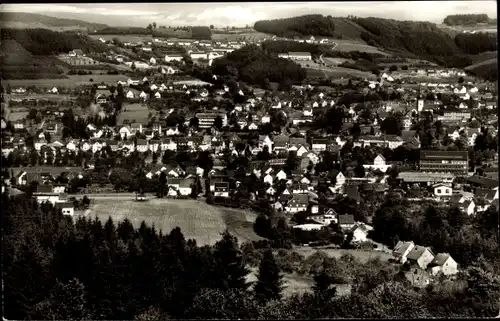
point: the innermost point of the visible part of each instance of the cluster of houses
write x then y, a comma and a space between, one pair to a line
423, 263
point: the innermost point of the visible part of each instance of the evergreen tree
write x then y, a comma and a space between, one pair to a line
230, 271
270, 280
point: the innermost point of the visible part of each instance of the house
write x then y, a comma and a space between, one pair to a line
173, 57
142, 145
221, 189
185, 188
401, 250
66, 208
443, 263
319, 145
360, 233
297, 56
264, 140
44, 193
168, 144
442, 190
268, 179
298, 203
346, 221
378, 164
281, 175
420, 256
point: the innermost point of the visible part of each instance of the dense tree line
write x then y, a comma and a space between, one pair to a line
254, 65
55, 268
308, 25
201, 33
476, 43
465, 19
46, 42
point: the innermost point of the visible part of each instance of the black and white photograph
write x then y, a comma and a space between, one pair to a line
249, 160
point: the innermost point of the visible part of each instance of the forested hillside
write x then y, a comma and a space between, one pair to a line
257, 66
476, 43
308, 25
466, 19
418, 39
44, 42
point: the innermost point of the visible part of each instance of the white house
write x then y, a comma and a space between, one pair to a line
378, 163
442, 190
130, 94
401, 250
360, 232
443, 263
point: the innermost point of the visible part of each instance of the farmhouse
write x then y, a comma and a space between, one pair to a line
443, 263
173, 57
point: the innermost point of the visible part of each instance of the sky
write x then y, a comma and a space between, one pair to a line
241, 14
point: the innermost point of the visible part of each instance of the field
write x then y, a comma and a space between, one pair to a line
17, 115
71, 81
248, 36
124, 38
197, 220
133, 113
361, 255
339, 72
352, 45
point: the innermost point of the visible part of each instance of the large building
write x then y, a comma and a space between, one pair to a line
296, 55
207, 120
456, 162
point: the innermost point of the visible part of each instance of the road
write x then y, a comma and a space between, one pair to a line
110, 196
333, 48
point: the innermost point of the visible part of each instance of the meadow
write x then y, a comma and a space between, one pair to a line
248, 36
124, 38
70, 82
339, 72
353, 45
133, 113
197, 220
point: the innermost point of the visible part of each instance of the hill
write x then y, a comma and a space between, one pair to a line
487, 69
200, 33
12, 53
256, 66
412, 39
33, 20
46, 42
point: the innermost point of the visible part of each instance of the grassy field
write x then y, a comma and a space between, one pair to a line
70, 82
353, 45
197, 220
133, 113
124, 38
17, 115
339, 72
249, 36
361, 255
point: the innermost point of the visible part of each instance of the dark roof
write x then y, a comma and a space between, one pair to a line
416, 252
346, 219
44, 189
483, 181
443, 155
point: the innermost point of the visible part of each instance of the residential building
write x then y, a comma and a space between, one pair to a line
401, 250
420, 256
443, 263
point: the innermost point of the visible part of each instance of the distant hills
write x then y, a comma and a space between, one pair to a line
468, 19
32, 21
411, 38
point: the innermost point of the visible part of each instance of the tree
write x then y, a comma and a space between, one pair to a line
154, 25
212, 27
461, 80
270, 281
66, 301
393, 68
194, 122
230, 269
218, 122
133, 67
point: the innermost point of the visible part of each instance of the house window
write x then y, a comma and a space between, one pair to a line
438, 191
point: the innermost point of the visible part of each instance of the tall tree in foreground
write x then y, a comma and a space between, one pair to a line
270, 280
230, 271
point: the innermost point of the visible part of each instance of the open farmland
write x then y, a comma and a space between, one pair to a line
353, 45
197, 220
339, 72
70, 82
247, 36
362, 255
17, 115
133, 113
124, 38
